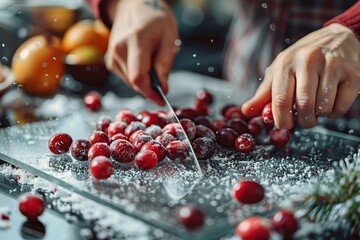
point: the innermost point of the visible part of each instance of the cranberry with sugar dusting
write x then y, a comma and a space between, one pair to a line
189, 127
154, 119
142, 114
172, 128
80, 149
133, 127
60, 143
31, 206
226, 137
154, 131
141, 140
165, 139
284, 222
116, 127
157, 148
146, 159
203, 131
253, 228
279, 137
118, 136
122, 151
126, 115
99, 149
245, 143
177, 150
135, 135
99, 137
248, 192
101, 168
190, 217
103, 123
267, 115
204, 148
92, 101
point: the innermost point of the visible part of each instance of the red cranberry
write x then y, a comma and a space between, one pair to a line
279, 137
190, 217
234, 112
141, 140
225, 108
238, 125
204, 148
118, 136
253, 228
165, 139
248, 192
267, 115
203, 120
99, 137
154, 131
135, 135
122, 151
189, 127
201, 108
154, 119
103, 123
171, 128
92, 101
226, 137
101, 168
157, 148
285, 223
31, 206
202, 131
80, 149
99, 149
188, 113
177, 150
60, 143
205, 96
116, 127
146, 160
126, 116
255, 126
142, 114
4, 217
134, 126
245, 143
217, 124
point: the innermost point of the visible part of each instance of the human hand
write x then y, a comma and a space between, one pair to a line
2, 75
319, 75
143, 35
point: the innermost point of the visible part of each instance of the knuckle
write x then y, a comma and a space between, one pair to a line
304, 104
280, 101
285, 58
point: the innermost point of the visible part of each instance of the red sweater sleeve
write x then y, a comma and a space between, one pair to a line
350, 18
99, 9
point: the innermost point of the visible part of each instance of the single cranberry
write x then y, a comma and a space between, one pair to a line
190, 217
126, 116
80, 149
202, 131
267, 115
118, 136
101, 168
154, 131
141, 140
255, 126
217, 124
204, 148
285, 223
201, 108
203, 120
154, 119
134, 126
279, 137
226, 137
99, 137
188, 113
177, 150
238, 125
4, 216
189, 127
31, 206
157, 148
205, 96
245, 143
122, 151
116, 127
253, 228
142, 114
146, 159
171, 128
165, 139
92, 101
226, 107
234, 112
248, 192
135, 135
103, 123
99, 149
60, 143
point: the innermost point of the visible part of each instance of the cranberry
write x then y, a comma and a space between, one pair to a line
154, 131
80, 149
234, 112
253, 228
189, 127
255, 126
142, 114
177, 150
101, 167
92, 101
203, 120
99, 149
226, 107
226, 137
279, 137
204, 148
165, 139
4, 217
190, 217
248, 192
186, 113
171, 128
239, 125
285, 223
154, 119
245, 143
126, 116
135, 135
217, 124
60, 143
103, 123
99, 137
146, 160
201, 108
202, 131
141, 140
267, 115
134, 126
118, 136
157, 148
116, 127
205, 96
122, 151
31, 206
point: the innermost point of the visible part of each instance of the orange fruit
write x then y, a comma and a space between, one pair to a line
84, 55
37, 65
